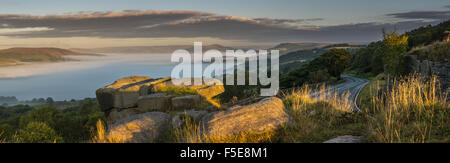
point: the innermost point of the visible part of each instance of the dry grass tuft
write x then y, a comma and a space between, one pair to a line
100, 134
414, 110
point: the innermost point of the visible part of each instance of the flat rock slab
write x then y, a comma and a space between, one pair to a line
124, 92
186, 102
346, 139
264, 116
116, 115
140, 128
154, 102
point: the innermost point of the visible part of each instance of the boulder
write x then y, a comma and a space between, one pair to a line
264, 116
143, 92
177, 121
426, 67
154, 102
140, 128
187, 102
125, 92
195, 114
210, 88
116, 115
346, 139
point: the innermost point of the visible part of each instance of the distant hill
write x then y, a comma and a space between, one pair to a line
286, 48
134, 49
298, 58
152, 49
14, 56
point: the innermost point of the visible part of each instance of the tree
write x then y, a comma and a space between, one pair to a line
336, 60
48, 115
50, 101
395, 48
37, 132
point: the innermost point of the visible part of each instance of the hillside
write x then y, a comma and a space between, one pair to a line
298, 58
371, 60
286, 48
151, 49
14, 56
134, 49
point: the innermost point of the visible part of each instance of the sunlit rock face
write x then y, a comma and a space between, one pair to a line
141, 109
264, 116
140, 128
124, 93
138, 94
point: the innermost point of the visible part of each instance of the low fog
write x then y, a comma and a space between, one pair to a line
81, 62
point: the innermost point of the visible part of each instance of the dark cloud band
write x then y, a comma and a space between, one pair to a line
187, 24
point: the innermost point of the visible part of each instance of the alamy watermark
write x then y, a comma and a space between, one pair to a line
233, 61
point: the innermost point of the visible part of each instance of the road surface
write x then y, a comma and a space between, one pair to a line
353, 85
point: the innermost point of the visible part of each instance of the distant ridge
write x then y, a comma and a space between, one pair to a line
152, 49
286, 48
15, 56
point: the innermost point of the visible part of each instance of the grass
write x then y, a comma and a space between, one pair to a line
315, 120
414, 110
370, 90
357, 74
437, 51
2, 139
193, 132
177, 91
100, 134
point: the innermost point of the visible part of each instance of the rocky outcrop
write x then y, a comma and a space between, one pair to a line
125, 92
138, 94
154, 102
346, 139
140, 128
141, 109
117, 114
187, 102
428, 68
264, 116
446, 37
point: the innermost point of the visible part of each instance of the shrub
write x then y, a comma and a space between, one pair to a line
37, 132
46, 114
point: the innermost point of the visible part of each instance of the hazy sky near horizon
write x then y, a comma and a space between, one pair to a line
230, 22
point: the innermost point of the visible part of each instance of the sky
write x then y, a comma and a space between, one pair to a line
80, 23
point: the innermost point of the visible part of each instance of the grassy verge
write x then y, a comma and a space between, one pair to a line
370, 90
413, 111
354, 73
318, 120
313, 121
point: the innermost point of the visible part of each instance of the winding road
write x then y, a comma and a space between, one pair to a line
353, 85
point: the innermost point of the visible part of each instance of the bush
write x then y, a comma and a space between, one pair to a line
37, 132
329, 65
46, 114
438, 51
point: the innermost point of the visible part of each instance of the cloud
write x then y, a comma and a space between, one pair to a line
286, 21
434, 15
9, 31
193, 24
